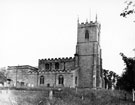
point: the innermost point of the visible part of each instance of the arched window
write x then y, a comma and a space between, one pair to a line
75, 80
86, 34
61, 79
41, 79
56, 65
46, 66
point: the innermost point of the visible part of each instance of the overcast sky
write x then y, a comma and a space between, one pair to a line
38, 29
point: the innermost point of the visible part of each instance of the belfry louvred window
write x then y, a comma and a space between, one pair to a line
86, 34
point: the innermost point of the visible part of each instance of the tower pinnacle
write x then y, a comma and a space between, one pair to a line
96, 18
78, 19
86, 20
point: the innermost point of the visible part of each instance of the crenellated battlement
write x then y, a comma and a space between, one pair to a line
55, 71
88, 24
57, 59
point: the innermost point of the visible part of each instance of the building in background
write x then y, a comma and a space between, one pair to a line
22, 76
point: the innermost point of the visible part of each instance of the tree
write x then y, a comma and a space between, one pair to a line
110, 78
105, 75
129, 9
2, 75
127, 80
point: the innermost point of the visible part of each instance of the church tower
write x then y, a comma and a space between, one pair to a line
89, 55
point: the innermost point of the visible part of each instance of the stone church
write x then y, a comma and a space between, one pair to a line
84, 70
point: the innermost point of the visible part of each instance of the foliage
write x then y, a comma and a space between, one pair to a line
129, 9
127, 80
2, 75
110, 78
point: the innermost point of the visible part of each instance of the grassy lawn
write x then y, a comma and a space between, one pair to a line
71, 97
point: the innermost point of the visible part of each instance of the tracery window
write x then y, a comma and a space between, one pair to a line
61, 79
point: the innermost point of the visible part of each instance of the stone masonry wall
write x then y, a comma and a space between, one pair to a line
22, 77
52, 78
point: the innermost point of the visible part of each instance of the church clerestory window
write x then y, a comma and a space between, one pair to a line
46, 66
56, 65
41, 79
86, 34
